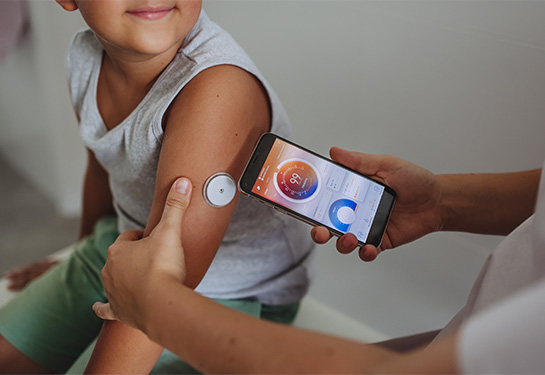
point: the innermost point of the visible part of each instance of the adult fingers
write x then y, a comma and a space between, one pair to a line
368, 253
347, 243
320, 235
177, 202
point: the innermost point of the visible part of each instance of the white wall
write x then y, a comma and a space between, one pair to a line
453, 86
39, 134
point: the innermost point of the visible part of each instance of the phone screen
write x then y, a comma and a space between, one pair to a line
319, 189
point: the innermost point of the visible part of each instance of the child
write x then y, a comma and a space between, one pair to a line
160, 92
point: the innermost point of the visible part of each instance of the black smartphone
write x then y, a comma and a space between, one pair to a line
317, 190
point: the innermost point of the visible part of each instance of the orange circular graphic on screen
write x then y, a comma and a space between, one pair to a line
297, 180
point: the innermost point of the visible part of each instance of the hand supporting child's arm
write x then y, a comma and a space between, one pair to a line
212, 127
226, 340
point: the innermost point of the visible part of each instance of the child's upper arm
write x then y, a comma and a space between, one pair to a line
212, 126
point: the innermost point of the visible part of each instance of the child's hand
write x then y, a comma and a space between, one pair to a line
20, 277
136, 267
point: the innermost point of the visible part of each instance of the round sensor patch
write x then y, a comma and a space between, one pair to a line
219, 190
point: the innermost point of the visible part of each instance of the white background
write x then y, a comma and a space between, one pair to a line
455, 86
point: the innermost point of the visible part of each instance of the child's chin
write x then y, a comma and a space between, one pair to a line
154, 47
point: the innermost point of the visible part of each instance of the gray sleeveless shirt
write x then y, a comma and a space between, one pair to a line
264, 254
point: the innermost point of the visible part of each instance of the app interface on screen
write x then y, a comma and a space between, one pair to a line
323, 191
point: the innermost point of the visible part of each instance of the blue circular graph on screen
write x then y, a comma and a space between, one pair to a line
342, 213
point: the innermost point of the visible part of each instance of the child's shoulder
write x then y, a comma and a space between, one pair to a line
205, 50
83, 49
208, 41
83, 59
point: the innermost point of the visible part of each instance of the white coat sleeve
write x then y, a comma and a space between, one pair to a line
508, 337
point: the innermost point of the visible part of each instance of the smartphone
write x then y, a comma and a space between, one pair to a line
315, 189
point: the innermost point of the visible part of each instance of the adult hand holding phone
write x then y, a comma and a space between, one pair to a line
314, 189
136, 267
416, 213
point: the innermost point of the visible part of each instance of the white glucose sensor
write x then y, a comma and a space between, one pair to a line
219, 190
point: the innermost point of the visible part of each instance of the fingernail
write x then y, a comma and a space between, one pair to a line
182, 186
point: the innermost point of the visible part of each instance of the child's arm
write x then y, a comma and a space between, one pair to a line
97, 198
212, 126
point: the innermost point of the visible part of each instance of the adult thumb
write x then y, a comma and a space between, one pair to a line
104, 311
177, 202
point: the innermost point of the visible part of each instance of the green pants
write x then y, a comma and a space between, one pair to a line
52, 322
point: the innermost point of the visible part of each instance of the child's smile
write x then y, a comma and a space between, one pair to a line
151, 13
138, 27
